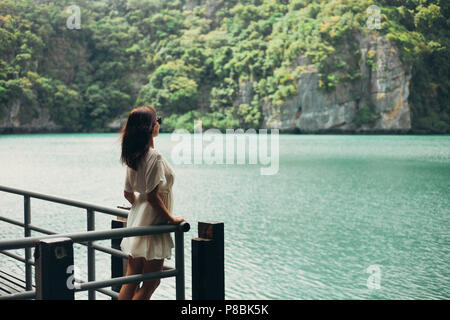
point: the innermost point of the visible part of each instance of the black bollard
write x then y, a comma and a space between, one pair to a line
54, 269
208, 262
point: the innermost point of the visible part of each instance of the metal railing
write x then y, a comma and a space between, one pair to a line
87, 238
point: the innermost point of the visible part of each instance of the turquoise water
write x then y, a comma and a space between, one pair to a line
338, 205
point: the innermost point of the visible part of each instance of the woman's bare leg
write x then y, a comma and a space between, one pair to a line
135, 266
148, 287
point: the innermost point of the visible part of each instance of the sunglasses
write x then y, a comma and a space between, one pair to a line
158, 119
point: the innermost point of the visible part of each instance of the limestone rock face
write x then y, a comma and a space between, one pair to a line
389, 85
17, 118
384, 85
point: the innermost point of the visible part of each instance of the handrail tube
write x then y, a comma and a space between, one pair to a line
91, 252
179, 265
41, 230
27, 233
11, 221
20, 296
73, 203
30, 226
97, 235
107, 292
126, 279
111, 251
15, 256
96, 285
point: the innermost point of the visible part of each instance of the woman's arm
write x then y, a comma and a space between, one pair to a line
130, 196
156, 202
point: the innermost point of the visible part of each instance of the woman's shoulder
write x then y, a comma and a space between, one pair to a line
153, 154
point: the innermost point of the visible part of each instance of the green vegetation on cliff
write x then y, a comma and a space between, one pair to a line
189, 58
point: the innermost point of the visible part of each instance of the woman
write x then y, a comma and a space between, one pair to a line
149, 174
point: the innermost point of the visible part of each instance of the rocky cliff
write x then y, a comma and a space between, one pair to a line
15, 117
301, 66
384, 86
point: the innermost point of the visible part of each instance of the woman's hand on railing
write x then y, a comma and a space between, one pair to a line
176, 220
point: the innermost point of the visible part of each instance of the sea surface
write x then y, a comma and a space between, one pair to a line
342, 217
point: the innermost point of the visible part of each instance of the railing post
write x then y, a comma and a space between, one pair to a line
53, 268
91, 252
27, 233
179, 265
208, 262
117, 263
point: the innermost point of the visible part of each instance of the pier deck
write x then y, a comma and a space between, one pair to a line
10, 284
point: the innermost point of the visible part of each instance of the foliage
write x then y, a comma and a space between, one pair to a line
365, 116
183, 57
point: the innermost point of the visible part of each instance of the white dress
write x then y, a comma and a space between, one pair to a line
152, 171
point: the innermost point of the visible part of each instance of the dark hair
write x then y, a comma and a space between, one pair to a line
137, 135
